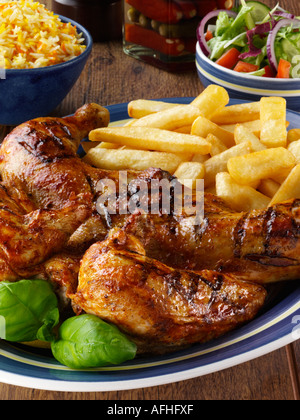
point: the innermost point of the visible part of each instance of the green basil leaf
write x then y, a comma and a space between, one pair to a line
28, 310
85, 341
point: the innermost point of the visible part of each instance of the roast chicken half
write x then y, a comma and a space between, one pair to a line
162, 279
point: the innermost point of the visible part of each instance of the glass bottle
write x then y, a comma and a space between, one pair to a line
163, 32
102, 18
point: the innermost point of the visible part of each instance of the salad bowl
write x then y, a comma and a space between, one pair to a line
252, 51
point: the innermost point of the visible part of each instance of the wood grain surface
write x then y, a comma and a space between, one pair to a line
111, 77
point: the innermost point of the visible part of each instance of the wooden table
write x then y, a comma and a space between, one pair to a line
111, 77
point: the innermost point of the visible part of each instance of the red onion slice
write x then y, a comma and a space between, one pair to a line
201, 29
285, 15
262, 29
271, 40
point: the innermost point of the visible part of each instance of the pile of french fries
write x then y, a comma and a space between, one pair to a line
245, 153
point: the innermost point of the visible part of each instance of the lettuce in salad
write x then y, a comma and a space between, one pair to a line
261, 35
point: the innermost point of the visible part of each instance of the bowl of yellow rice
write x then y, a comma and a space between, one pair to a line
41, 57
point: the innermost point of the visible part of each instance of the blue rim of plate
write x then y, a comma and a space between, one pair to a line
276, 326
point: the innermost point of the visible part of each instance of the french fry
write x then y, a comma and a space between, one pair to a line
210, 101
190, 171
142, 107
268, 187
239, 197
123, 147
213, 99
293, 135
218, 163
217, 146
242, 134
185, 157
281, 176
234, 114
294, 148
129, 122
290, 188
252, 126
185, 130
107, 145
147, 138
169, 119
203, 127
260, 165
139, 160
243, 152
273, 122
87, 145
200, 158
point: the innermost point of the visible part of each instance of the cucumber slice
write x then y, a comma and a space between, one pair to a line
289, 49
257, 14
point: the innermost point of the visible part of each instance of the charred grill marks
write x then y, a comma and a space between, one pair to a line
174, 281
239, 235
273, 260
40, 144
270, 217
278, 227
274, 230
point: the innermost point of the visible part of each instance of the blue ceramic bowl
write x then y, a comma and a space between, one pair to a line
31, 93
243, 86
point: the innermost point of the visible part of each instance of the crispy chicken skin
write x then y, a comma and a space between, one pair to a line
262, 246
41, 170
39, 165
44, 192
162, 279
159, 307
27, 240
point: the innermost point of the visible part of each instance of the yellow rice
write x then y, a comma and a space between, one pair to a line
32, 36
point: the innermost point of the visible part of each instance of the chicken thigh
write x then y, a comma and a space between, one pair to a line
159, 307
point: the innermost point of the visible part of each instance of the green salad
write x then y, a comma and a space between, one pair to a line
253, 39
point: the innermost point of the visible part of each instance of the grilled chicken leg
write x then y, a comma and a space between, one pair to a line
39, 165
261, 246
40, 169
159, 307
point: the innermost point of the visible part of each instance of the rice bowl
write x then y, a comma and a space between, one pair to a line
36, 92
32, 36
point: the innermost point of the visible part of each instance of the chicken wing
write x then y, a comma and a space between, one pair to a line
159, 307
